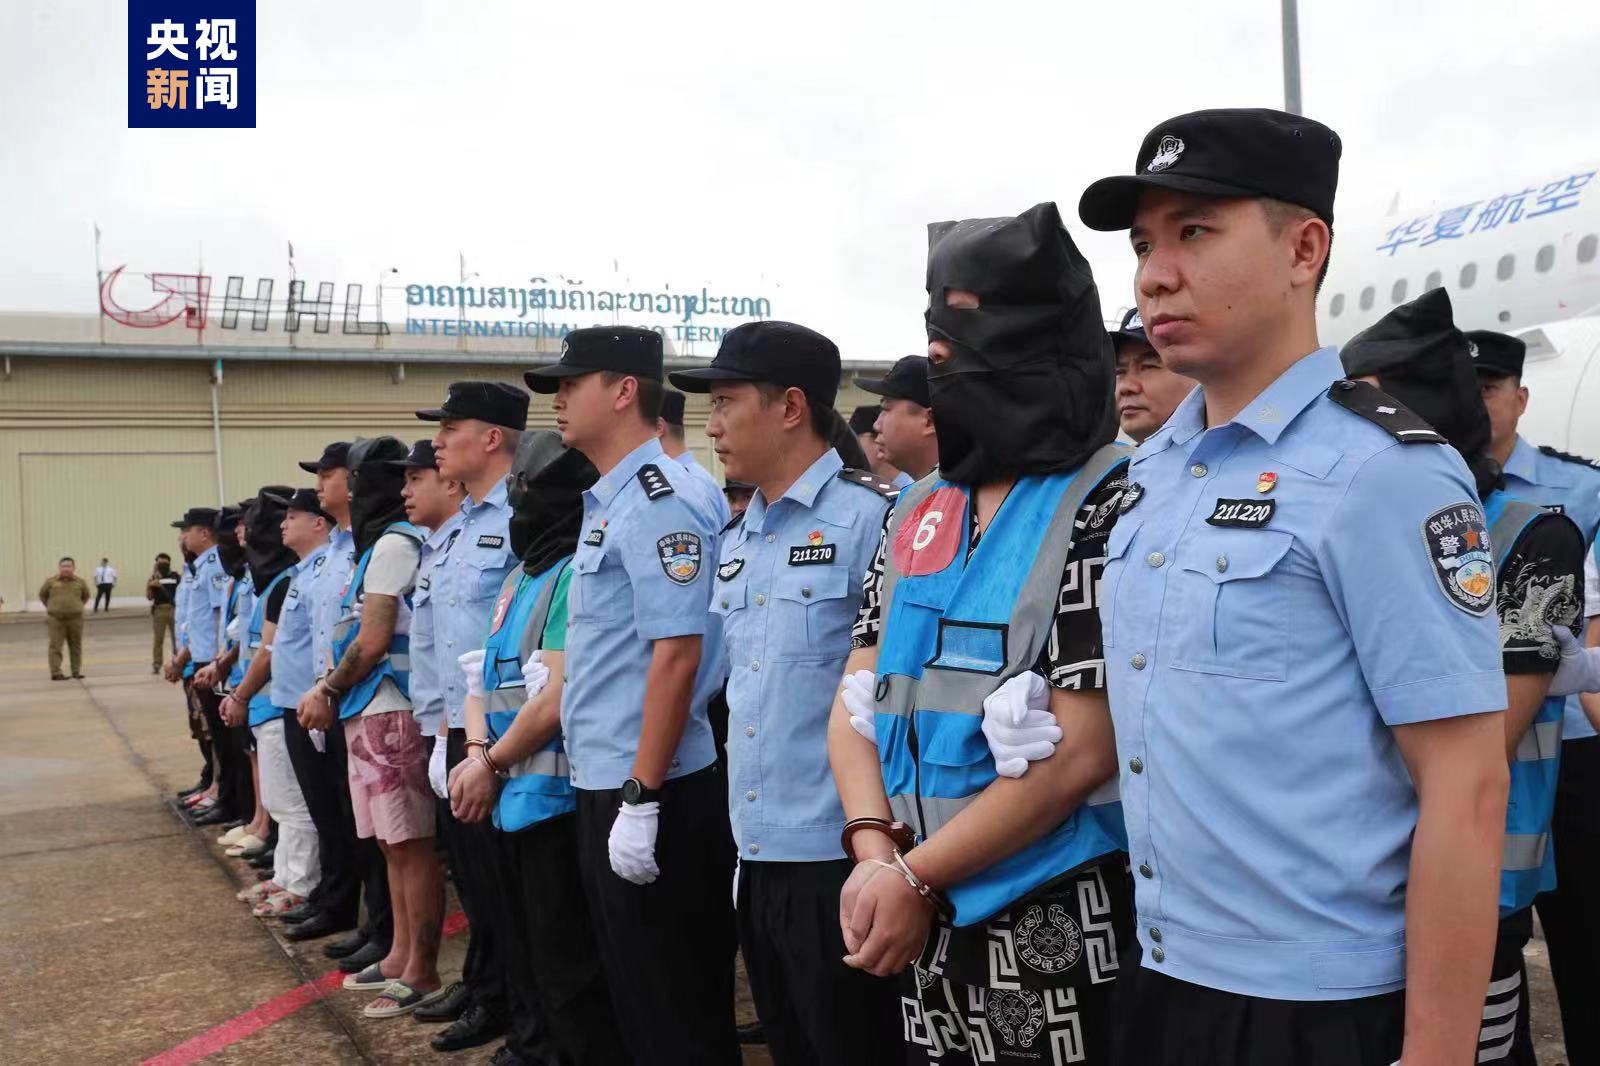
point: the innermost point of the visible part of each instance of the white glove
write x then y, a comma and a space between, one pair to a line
319, 740
1018, 724
436, 771
232, 630
472, 667
1579, 670
857, 693
535, 676
633, 842
356, 608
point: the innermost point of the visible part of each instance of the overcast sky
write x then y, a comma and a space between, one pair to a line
795, 156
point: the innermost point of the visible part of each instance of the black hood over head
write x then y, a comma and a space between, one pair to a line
375, 484
229, 553
1028, 389
545, 489
264, 550
1421, 359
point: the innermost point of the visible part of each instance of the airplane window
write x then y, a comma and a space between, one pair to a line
1506, 267
1586, 248
1469, 274
1336, 308
1366, 297
1545, 259
1435, 279
1398, 293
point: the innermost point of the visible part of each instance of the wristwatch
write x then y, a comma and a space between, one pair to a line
634, 792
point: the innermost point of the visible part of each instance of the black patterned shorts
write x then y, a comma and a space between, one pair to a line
1033, 985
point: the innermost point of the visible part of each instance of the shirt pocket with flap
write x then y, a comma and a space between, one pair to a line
1227, 608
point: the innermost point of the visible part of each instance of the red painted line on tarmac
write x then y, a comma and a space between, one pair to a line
273, 1010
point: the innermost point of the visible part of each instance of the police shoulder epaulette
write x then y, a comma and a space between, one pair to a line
654, 481
1568, 457
870, 480
1384, 411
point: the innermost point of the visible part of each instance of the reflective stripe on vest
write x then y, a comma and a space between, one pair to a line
261, 708
1527, 863
396, 664
949, 639
540, 786
235, 675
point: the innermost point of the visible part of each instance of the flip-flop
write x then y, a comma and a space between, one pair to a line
244, 845
399, 998
371, 977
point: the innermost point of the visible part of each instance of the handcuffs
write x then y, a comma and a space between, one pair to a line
904, 838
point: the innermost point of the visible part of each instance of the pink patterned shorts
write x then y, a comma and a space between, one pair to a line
388, 766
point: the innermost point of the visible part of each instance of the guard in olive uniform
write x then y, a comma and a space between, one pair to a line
1285, 538
162, 592
63, 596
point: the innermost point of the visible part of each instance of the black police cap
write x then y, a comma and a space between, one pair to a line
419, 457
197, 516
864, 419
227, 519
300, 500
1132, 329
780, 353
906, 380
619, 349
672, 404
334, 457
493, 402
1496, 354
1254, 152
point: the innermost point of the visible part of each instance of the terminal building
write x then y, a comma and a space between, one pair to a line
112, 424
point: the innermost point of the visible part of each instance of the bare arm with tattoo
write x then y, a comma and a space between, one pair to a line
378, 615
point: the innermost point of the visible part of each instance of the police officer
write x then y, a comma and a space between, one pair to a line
480, 425
203, 623
1416, 354
162, 592
1570, 484
63, 595
979, 648
788, 588
1147, 392
863, 423
202, 794
703, 485
1283, 543
520, 773
633, 712
904, 429
737, 493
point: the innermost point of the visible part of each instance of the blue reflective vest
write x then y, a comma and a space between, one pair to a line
1527, 861
261, 708
396, 665
540, 786
240, 600
950, 639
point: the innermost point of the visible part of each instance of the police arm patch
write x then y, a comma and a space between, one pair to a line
1457, 541
680, 555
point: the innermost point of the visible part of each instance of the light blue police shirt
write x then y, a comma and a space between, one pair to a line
465, 581
705, 489
208, 595
902, 480
427, 664
325, 604
643, 571
1573, 488
180, 602
292, 674
1272, 609
788, 589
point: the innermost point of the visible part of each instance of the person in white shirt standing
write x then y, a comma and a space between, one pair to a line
105, 578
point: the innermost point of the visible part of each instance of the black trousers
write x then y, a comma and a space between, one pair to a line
201, 732
236, 789
668, 946
1506, 1034
1161, 1021
1570, 918
472, 852
348, 863
102, 592
813, 1008
561, 1007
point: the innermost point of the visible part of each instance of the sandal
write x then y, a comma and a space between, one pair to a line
257, 892
399, 998
371, 977
276, 904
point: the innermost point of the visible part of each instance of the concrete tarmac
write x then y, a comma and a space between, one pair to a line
120, 939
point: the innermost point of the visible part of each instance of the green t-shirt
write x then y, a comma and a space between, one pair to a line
555, 625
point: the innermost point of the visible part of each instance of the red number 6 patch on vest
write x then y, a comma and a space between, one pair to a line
929, 538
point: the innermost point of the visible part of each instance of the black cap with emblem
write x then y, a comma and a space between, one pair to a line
619, 349
420, 457
493, 402
672, 404
1131, 331
780, 353
864, 418
1250, 152
906, 380
299, 500
1496, 355
197, 516
335, 456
